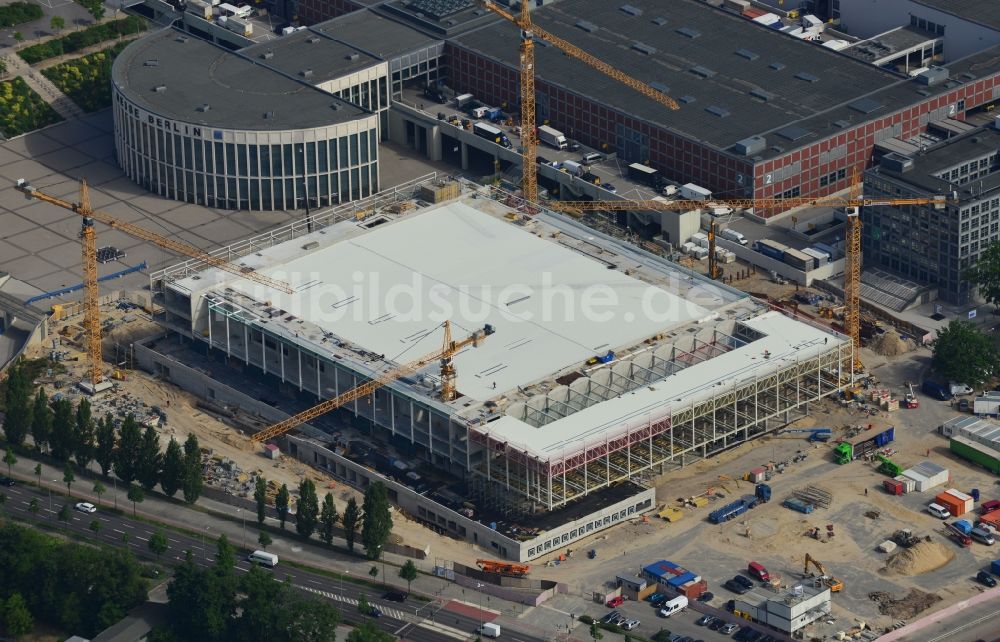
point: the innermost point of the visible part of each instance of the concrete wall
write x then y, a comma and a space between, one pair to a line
679, 226
866, 18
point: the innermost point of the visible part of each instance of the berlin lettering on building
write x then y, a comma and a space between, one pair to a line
156, 121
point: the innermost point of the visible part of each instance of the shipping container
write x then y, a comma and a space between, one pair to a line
977, 453
892, 486
989, 506
957, 503
987, 404
693, 192
645, 174
819, 257
770, 248
797, 259
909, 485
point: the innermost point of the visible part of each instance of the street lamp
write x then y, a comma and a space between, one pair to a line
244, 541
49, 489
479, 586
114, 485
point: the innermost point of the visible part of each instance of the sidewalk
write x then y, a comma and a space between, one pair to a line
44, 87
213, 518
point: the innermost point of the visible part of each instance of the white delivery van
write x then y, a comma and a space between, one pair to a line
674, 606
489, 630
732, 235
939, 511
263, 558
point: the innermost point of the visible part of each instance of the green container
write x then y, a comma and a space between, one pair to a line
973, 454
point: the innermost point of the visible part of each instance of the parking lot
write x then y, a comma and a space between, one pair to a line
683, 626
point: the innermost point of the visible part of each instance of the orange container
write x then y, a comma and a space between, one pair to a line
954, 505
992, 517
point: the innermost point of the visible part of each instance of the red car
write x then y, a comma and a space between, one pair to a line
615, 602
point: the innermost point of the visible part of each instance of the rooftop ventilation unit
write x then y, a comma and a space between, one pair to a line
352, 56
313, 39
335, 107
715, 110
865, 105
746, 53
806, 76
751, 146
777, 66
896, 162
842, 124
643, 48
777, 149
933, 76
268, 115
181, 39
306, 73
660, 87
267, 55
204, 107
659, 21
151, 63
589, 27
160, 89
703, 72
688, 32
630, 10
687, 100
793, 132
760, 94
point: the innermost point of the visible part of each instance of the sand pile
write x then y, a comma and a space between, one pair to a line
890, 344
914, 602
921, 558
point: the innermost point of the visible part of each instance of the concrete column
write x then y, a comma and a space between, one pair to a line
465, 155
434, 143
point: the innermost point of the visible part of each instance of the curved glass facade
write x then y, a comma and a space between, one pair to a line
246, 170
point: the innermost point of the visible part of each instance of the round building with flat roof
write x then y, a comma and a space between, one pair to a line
198, 123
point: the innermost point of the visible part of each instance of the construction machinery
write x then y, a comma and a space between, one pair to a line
888, 466
503, 568
910, 401
529, 142
92, 322
832, 583
445, 354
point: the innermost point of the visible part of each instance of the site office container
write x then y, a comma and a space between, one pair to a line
992, 518
976, 452
968, 501
954, 505
893, 487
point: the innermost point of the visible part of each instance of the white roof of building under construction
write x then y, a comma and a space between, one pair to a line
786, 341
388, 288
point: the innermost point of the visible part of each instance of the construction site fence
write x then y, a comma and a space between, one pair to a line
354, 210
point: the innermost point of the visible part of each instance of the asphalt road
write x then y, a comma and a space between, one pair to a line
980, 622
413, 620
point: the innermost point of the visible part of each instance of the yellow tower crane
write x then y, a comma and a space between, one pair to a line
529, 31
448, 391
88, 237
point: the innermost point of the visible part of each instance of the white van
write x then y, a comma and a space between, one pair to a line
732, 235
939, 511
263, 558
673, 606
489, 630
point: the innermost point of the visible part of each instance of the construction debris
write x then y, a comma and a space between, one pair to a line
887, 546
873, 514
813, 495
915, 602
890, 344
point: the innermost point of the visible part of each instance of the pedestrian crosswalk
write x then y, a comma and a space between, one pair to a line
387, 611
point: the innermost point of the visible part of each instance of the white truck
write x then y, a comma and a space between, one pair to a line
732, 235
693, 192
574, 168
489, 630
960, 388
240, 26
552, 137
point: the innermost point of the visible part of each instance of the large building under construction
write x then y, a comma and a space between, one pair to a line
607, 366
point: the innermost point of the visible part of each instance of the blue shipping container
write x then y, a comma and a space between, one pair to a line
682, 579
772, 252
728, 512
885, 436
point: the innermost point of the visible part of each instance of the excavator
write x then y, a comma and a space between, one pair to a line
832, 583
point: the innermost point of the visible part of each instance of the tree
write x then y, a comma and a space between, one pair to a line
595, 631
350, 520
41, 420
18, 406
99, 489
104, 449
34, 507
260, 496
3, 501
307, 509
373, 572
83, 440
63, 423
3, 69
264, 540
148, 466
192, 469
126, 459
307, 620
19, 37
136, 495
69, 478
201, 606
368, 632
38, 473
377, 522
9, 459
158, 544
408, 572
985, 274
16, 616
225, 556
65, 513
364, 608
963, 353
56, 24
172, 469
328, 519
95, 525
281, 502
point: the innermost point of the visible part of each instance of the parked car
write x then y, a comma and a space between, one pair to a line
629, 625
704, 620
615, 602
986, 579
86, 507
707, 596
727, 629
7, 481
717, 624
655, 597
609, 187
735, 587
573, 146
542, 160
744, 580
610, 615
963, 405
